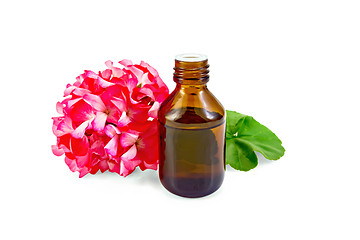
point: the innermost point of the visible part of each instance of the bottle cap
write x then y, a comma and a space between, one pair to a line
191, 57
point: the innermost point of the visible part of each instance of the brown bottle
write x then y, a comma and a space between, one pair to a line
192, 132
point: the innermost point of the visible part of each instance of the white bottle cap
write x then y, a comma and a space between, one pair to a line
191, 57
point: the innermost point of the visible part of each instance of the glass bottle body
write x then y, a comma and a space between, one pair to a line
192, 128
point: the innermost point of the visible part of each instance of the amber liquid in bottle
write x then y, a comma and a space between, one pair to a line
192, 128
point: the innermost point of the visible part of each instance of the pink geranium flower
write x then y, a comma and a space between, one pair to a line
108, 120
142, 149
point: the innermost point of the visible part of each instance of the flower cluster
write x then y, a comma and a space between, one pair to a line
108, 120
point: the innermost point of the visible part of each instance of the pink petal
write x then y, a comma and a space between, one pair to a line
91, 74
70, 102
80, 130
126, 62
114, 159
81, 161
117, 72
114, 167
56, 122
149, 68
109, 64
138, 112
95, 101
130, 154
123, 170
63, 142
79, 80
64, 127
80, 91
99, 121
71, 164
83, 172
133, 101
119, 104
97, 147
144, 79
112, 92
153, 166
114, 115
154, 110
103, 165
106, 74
135, 71
80, 112
132, 83
103, 83
159, 93
147, 92
112, 146
79, 147
56, 150
159, 82
60, 108
94, 159
128, 167
124, 120
69, 89
111, 130
128, 139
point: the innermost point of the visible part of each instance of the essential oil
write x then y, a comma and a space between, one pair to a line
192, 128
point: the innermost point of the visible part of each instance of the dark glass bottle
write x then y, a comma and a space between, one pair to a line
192, 132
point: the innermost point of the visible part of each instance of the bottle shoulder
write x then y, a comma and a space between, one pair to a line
191, 107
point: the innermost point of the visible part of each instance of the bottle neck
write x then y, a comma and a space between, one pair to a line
191, 70
190, 88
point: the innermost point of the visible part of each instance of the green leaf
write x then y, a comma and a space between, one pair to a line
244, 136
239, 155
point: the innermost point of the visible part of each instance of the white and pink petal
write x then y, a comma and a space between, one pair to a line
128, 139
129, 154
123, 120
57, 151
119, 103
153, 111
112, 146
80, 130
111, 130
95, 101
99, 121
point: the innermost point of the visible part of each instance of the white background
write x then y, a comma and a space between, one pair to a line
293, 65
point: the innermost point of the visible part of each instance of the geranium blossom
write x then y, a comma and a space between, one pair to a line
108, 119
